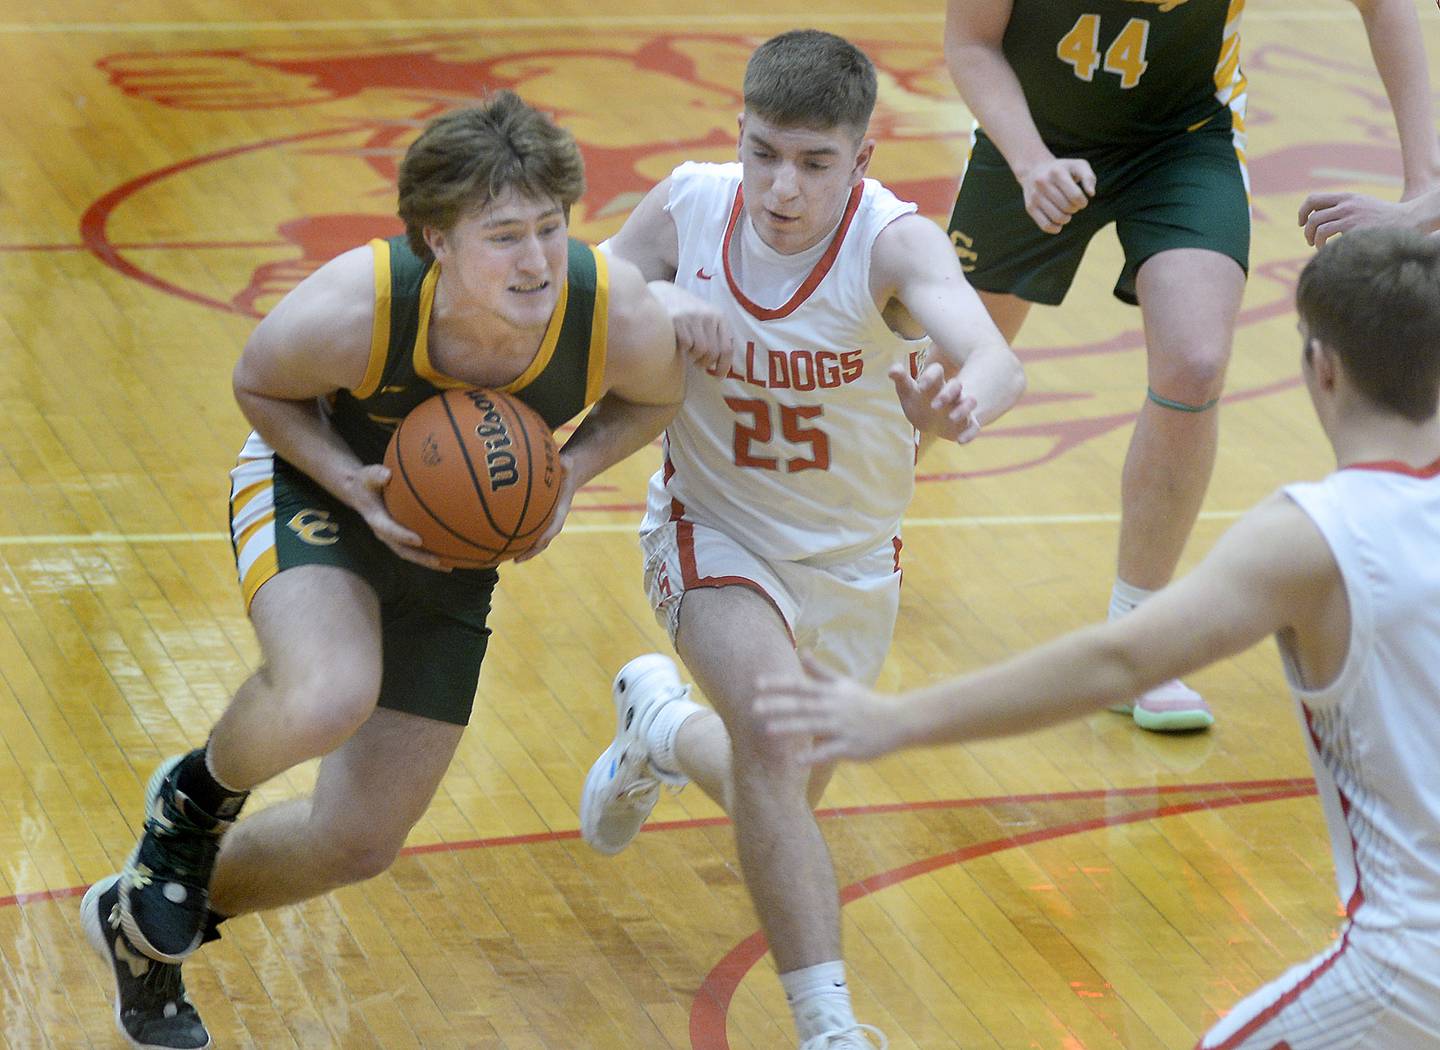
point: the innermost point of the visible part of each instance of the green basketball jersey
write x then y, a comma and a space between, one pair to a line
1105, 73
564, 378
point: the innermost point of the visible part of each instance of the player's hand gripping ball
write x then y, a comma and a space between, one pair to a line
476, 474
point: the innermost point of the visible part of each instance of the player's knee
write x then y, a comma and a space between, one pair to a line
1190, 375
768, 760
360, 853
322, 709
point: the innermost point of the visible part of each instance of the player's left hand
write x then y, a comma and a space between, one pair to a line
702, 334
562, 509
842, 717
936, 405
1325, 214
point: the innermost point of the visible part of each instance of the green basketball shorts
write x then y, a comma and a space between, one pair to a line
433, 632
1186, 191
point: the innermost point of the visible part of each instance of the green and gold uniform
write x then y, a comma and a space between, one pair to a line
1150, 92
433, 623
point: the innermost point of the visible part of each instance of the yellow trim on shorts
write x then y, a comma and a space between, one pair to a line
599, 330
380, 326
264, 567
268, 518
547, 345
242, 496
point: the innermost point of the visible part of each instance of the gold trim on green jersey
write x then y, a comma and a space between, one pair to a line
420, 353
547, 345
380, 326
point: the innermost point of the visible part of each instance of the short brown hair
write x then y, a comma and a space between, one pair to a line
1373, 297
810, 79
466, 158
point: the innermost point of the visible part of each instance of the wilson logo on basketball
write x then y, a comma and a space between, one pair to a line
493, 434
476, 475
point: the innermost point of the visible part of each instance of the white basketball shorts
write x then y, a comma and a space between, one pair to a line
843, 614
1374, 990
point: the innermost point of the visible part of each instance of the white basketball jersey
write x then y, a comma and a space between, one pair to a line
804, 451
1374, 734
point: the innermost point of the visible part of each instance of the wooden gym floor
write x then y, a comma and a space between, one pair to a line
168, 170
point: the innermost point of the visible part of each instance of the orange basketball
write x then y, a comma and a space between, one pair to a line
476, 474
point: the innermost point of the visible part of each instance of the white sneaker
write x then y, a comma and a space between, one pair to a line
856, 1037
1170, 707
622, 786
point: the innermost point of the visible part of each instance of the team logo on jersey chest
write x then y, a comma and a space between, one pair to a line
796, 369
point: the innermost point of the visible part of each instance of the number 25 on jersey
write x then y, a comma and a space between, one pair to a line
1125, 57
760, 430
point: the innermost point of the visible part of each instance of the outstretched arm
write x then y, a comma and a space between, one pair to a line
971, 376
1398, 48
1271, 572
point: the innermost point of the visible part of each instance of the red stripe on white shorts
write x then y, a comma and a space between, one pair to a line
691, 580
1273, 1011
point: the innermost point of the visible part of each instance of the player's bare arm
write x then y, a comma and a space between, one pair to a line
644, 385
1272, 573
1398, 47
1055, 187
317, 341
650, 241
971, 377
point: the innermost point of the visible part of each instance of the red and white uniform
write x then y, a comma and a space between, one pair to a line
803, 456
1374, 738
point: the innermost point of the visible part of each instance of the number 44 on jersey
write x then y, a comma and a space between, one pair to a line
1125, 57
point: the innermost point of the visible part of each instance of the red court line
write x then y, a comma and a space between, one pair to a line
95, 222
712, 1001
1297, 785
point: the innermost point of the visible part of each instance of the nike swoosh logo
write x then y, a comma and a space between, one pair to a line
700, 273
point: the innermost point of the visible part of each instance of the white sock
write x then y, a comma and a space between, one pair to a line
819, 999
662, 732
1124, 597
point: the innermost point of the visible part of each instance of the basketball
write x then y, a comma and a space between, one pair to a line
476, 474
